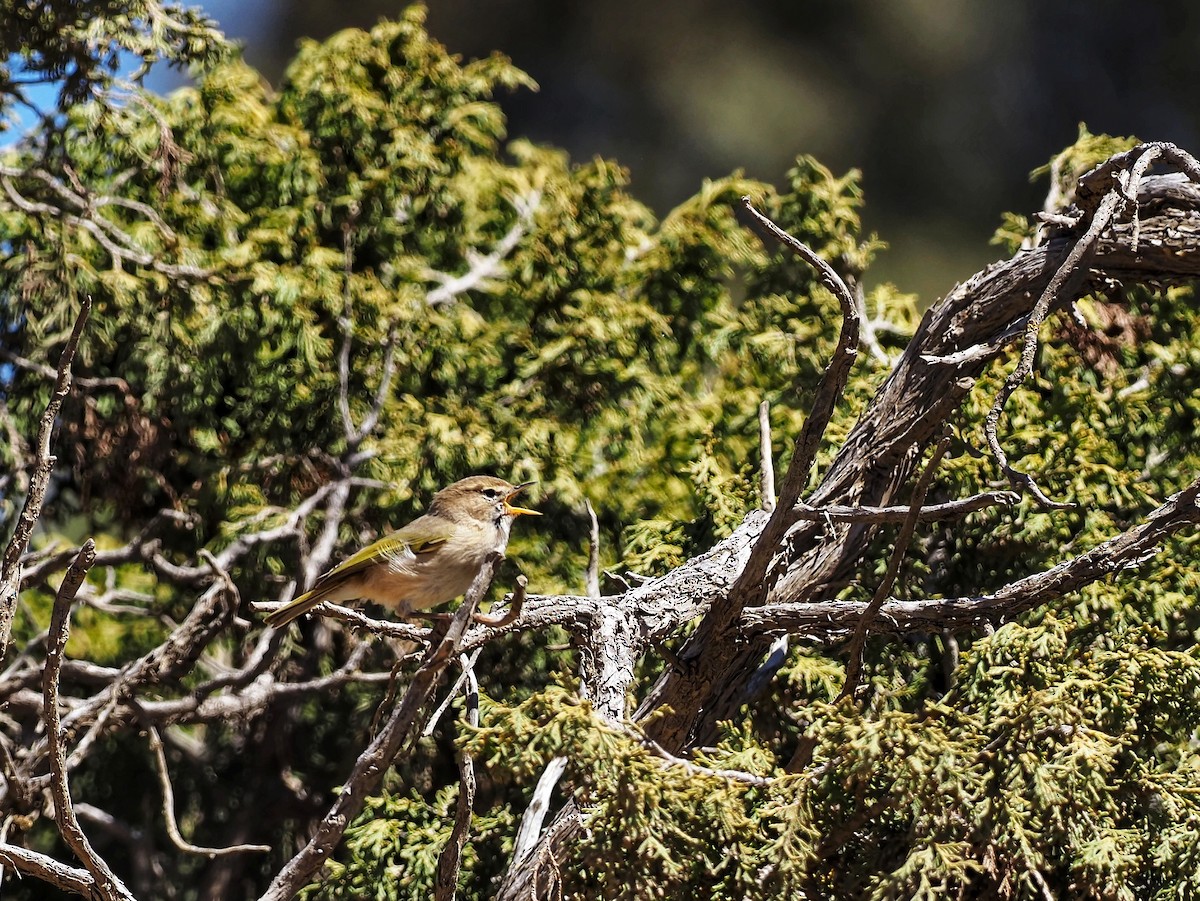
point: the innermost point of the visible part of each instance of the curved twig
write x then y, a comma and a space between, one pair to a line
10, 571
1125, 172
106, 882
168, 808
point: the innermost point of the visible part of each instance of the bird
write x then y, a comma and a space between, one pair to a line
428, 562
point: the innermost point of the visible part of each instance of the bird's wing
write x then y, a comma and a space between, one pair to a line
416, 538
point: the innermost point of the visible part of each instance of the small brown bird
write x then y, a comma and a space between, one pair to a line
431, 560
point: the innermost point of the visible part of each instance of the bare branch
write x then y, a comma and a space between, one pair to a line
683, 691
509, 616
107, 885
872, 326
481, 268
450, 860
381, 392
80, 381
467, 661
694, 768
168, 807
1121, 192
47, 869
346, 321
833, 381
524, 880
120, 244
10, 573
766, 465
535, 813
592, 578
360, 622
903, 539
826, 619
932, 512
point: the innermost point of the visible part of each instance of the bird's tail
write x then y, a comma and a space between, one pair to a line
298, 607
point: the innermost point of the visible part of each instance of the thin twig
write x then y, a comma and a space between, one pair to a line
168, 793
359, 621
450, 860
468, 661
10, 572
107, 885
592, 578
346, 321
696, 769
381, 393
930, 513
509, 616
854, 666
81, 381
766, 465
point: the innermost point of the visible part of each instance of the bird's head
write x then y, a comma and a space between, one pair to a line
479, 499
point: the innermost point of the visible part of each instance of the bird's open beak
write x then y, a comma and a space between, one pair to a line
510, 510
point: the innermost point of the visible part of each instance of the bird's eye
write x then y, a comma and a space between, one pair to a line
491, 493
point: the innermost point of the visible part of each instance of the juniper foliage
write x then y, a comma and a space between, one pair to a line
542, 323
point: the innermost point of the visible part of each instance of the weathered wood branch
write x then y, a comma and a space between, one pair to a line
909, 410
10, 564
825, 620
106, 884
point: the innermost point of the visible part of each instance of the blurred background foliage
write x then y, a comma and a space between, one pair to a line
944, 106
614, 352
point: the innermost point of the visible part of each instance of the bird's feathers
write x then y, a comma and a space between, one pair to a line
430, 561
414, 539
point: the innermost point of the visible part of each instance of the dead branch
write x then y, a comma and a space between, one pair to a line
450, 860
10, 573
509, 616
854, 666
929, 513
689, 687
766, 466
535, 813
825, 620
592, 579
106, 883
78, 211
482, 268
778, 575
168, 807
1070, 271
49, 870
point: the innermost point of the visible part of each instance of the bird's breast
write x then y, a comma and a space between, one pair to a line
420, 581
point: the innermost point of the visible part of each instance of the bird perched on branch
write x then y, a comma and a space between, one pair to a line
431, 560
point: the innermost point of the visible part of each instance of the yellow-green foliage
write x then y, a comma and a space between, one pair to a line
617, 357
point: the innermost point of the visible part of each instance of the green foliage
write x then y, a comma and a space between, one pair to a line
545, 324
393, 854
78, 46
1086, 153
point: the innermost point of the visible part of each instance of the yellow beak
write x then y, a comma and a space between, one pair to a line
518, 511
